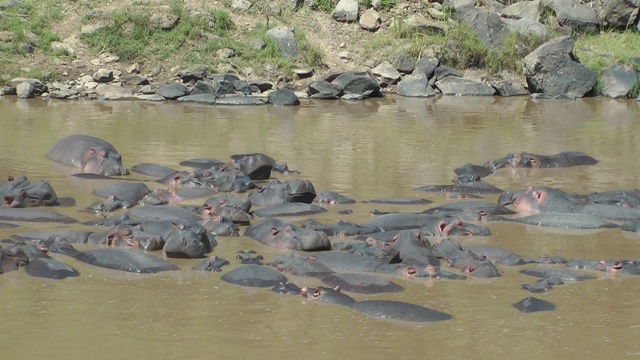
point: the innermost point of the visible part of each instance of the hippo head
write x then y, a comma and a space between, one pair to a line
103, 162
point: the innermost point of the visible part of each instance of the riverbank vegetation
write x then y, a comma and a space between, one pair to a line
190, 33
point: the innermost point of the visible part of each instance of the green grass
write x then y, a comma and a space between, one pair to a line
131, 35
509, 57
384, 4
323, 5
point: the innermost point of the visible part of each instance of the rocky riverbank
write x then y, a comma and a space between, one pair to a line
319, 49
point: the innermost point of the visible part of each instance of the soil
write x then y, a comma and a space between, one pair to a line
319, 27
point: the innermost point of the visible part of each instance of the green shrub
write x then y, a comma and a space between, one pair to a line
324, 5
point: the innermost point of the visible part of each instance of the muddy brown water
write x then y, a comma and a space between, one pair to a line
366, 150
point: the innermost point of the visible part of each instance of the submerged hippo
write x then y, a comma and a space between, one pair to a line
528, 160
88, 153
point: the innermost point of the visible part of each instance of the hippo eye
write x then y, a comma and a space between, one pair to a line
533, 161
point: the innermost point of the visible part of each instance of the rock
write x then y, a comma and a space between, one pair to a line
257, 44
92, 28
404, 64
107, 58
453, 85
421, 24
435, 13
165, 21
25, 90
322, 89
173, 91
416, 85
346, 11
134, 68
149, 90
525, 27
509, 88
426, 65
531, 10
370, 20
261, 85
103, 76
550, 69
225, 53
38, 87
360, 83
113, 92
490, 28
618, 81
442, 71
283, 97
26, 48
619, 14
580, 17
134, 80
283, 36
80, 64
294, 5
6, 36
303, 73
352, 97
241, 5
345, 55
62, 94
239, 100
465, 10
376, 4
386, 73
204, 98
148, 97
62, 48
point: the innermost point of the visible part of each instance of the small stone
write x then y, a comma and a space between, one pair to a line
79, 64
103, 76
134, 69
62, 48
225, 53
257, 44
345, 55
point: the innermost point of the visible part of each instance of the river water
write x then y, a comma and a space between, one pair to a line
366, 150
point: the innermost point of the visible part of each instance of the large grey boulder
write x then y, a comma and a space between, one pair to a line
322, 89
621, 14
426, 65
25, 90
173, 91
346, 11
416, 85
360, 83
618, 81
283, 36
490, 28
283, 97
386, 73
572, 13
453, 85
526, 27
509, 88
550, 69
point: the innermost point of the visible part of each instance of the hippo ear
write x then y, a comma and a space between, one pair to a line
274, 231
111, 239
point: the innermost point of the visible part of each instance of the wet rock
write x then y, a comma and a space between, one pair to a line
577, 16
416, 85
453, 85
113, 92
283, 97
509, 88
324, 90
618, 80
239, 100
550, 69
25, 90
62, 93
204, 98
370, 20
346, 11
356, 82
283, 36
173, 91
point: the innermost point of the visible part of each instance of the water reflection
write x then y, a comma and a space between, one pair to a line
369, 149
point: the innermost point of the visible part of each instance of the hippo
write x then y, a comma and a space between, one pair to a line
255, 276
34, 215
624, 198
88, 153
43, 266
275, 232
532, 304
332, 197
153, 170
528, 160
127, 195
277, 192
213, 263
19, 192
257, 166
477, 188
381, 309
550, 200
128, 260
